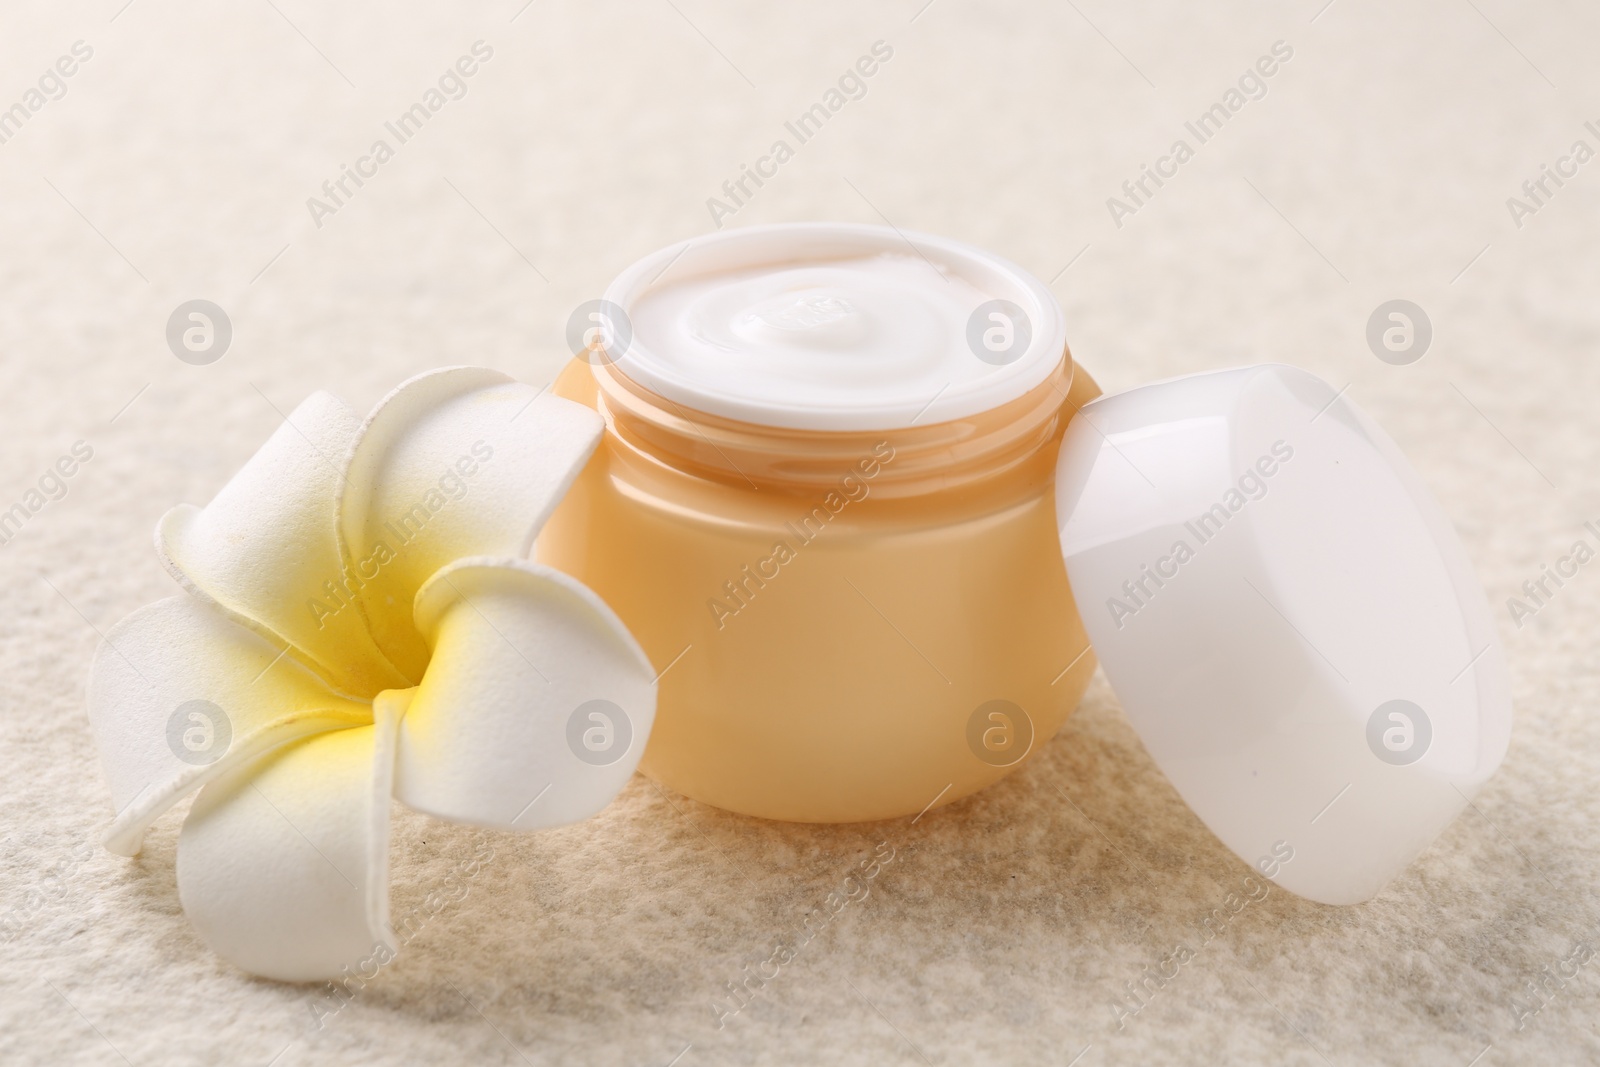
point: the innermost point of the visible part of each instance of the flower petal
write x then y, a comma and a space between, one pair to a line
536, 705
266, 553
457, 462
283, 864
178, 695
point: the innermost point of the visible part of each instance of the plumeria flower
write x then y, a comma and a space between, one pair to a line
360, 620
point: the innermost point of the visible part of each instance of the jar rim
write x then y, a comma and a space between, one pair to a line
794, 243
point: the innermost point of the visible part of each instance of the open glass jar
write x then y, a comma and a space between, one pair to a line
825, 508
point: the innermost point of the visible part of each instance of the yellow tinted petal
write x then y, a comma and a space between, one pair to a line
178, 694
283, 862
265, 549
457, 462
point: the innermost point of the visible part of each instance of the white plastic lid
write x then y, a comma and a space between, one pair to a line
1289, 620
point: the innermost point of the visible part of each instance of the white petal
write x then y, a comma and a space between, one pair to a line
178, 694
266, 552
537, 703
283, 863
457, 462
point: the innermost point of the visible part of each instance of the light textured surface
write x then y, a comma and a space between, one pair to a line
1378, 165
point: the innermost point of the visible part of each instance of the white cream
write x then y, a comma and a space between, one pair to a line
831, 327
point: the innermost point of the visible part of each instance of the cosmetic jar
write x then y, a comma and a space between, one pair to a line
824, 505
853, 495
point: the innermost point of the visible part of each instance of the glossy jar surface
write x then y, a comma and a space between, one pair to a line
849, 625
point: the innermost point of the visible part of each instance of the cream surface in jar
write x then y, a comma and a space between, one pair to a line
824, 506
872, 341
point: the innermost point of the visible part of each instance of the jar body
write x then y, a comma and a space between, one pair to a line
832, 654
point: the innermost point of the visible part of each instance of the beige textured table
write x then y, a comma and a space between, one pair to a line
177, 164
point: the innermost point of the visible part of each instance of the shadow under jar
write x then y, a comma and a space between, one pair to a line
842, 557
